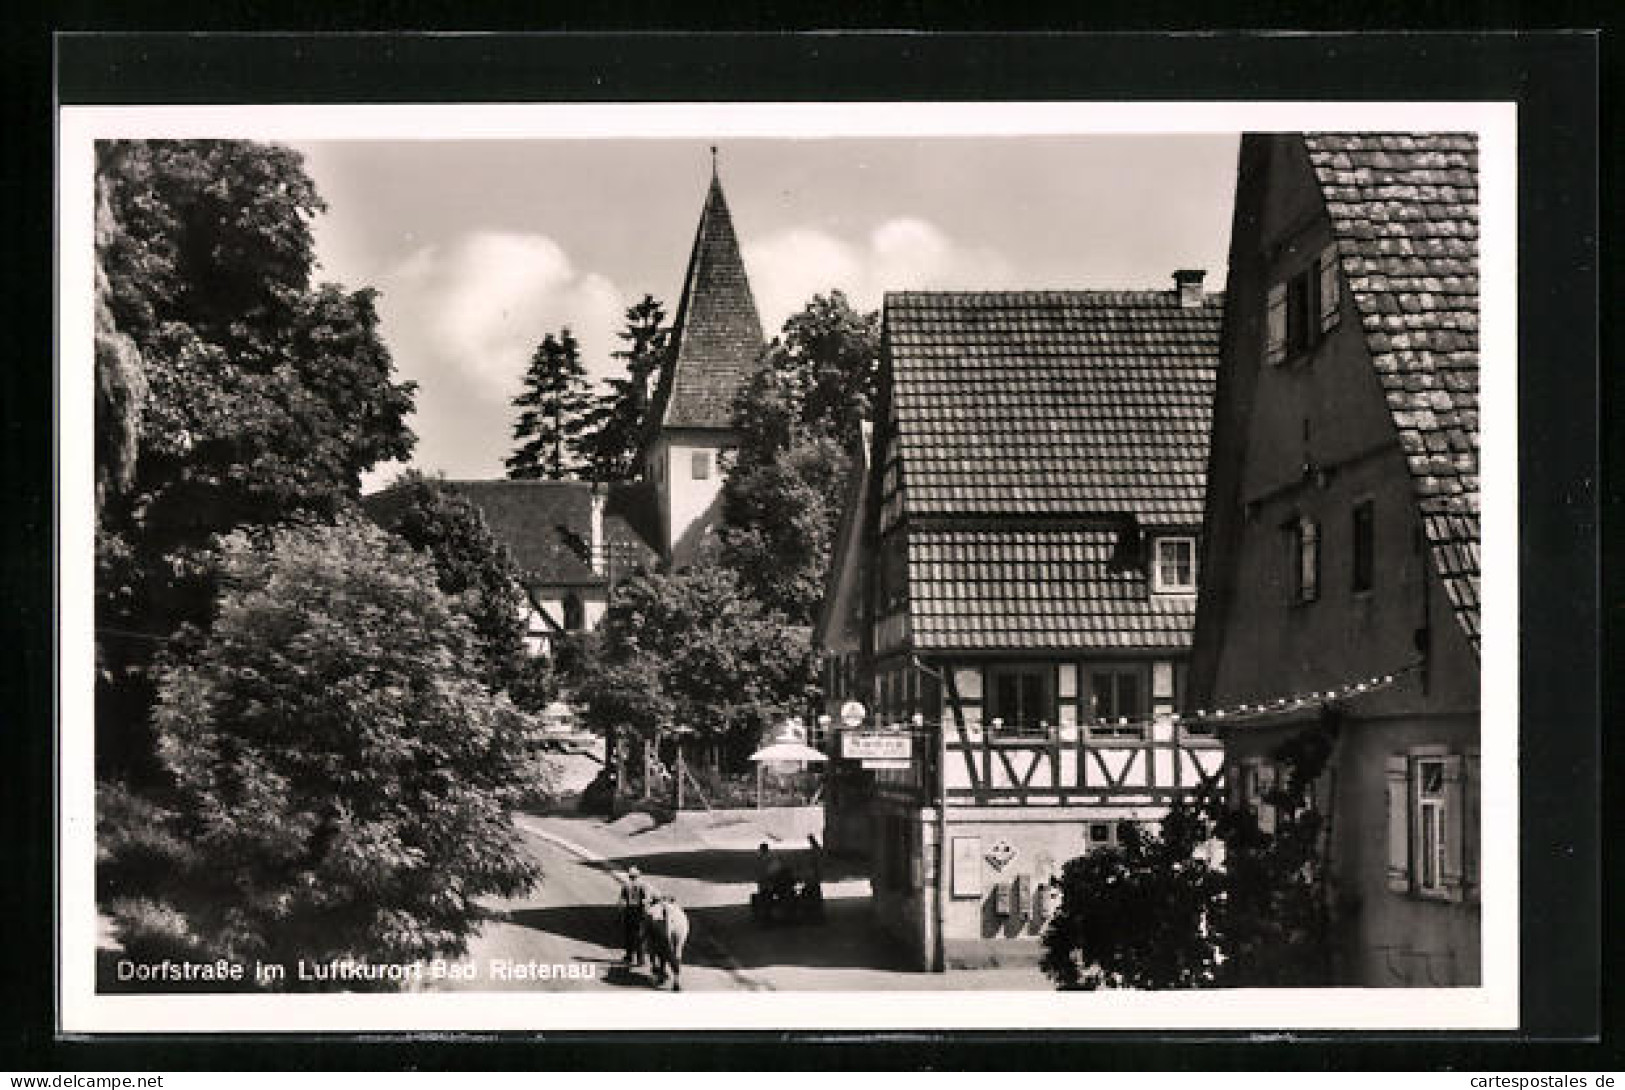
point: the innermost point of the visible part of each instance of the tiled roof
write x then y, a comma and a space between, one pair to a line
1039, 588
716, 335
1054, 403
1404, 211
547, 527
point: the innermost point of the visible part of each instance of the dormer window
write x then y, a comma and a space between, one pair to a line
700, 466
1173, 565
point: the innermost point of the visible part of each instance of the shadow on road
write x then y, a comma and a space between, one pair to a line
846, 939
730, 867
619, 975
597, 924
725, 937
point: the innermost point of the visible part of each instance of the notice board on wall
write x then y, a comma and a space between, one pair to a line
967, 873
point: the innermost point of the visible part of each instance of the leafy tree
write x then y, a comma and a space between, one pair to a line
121, 377
780, 519
798, 419
341, 785
816, 379
231, 391
1274, 922
554, 407
726, 667
1135, 916
1156, 913
475, 568
619, 421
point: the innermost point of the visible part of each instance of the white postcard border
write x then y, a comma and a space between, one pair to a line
1493, 1005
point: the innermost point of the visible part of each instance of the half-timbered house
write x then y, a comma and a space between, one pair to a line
1017, 597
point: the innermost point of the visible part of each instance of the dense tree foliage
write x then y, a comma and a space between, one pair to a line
1274, 920
121, 377
554, 412
799, 420
619, 422
780, 520
726, 667
231, 391
341, 782
1157, 913
476, 569
1135, 916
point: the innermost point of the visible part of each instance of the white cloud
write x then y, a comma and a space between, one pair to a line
477, 308
462, 318
789, 267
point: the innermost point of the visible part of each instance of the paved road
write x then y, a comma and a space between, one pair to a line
571, 924
565, 936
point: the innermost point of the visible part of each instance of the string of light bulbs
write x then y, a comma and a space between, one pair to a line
1246, 710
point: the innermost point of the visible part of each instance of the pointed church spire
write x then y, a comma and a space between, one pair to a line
717, 334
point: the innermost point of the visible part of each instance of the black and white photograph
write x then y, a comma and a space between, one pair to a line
806, 565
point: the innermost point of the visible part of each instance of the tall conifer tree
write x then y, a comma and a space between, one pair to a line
553, 412
620, 419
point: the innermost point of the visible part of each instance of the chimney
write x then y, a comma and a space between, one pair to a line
1188, 283
600, 494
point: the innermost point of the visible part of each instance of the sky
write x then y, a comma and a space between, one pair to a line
480, 247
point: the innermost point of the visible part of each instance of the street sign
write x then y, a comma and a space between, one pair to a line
884, 747
852, 714
894, 766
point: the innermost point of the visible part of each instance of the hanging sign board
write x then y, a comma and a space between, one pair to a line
882, 747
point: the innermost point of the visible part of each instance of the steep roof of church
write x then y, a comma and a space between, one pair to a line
1404, 208
717, 335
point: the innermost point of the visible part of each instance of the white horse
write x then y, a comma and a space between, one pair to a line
665, 930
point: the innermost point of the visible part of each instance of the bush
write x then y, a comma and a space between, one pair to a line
1135, 916
342, 779
1155, 914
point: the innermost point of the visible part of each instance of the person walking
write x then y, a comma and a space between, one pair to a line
765, 866
634, 901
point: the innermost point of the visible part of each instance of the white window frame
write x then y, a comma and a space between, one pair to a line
1160, 583
1431, 836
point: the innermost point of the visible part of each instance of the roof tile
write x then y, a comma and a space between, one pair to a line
1404, 211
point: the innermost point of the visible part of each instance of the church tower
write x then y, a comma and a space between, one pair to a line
716, 341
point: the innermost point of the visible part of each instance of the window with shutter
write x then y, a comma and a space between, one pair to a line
1431, 838
1397, 775
1330, 290
1275, 350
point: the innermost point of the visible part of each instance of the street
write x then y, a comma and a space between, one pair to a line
565, 935
568, 928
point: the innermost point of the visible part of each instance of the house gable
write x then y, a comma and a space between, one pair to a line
1042, 441
1332, 522
1404, 211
